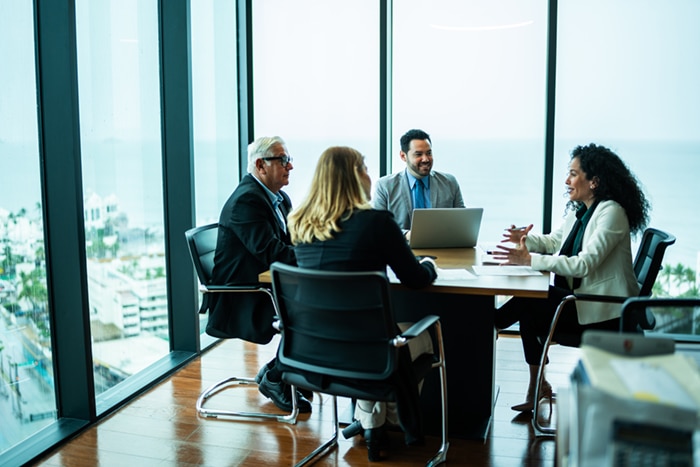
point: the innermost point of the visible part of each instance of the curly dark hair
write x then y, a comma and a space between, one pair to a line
615, 182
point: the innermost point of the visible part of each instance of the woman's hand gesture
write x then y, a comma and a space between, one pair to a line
515, 234
519, 255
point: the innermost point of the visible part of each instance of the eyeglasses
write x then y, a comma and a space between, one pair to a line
284, 160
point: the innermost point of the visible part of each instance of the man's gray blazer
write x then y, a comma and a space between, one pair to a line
393, 193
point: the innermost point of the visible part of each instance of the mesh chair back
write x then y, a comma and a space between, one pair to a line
202, 244
335, 323
647, 263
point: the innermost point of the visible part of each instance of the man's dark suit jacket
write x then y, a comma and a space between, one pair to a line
250, 240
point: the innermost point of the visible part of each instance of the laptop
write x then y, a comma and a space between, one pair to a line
445, 227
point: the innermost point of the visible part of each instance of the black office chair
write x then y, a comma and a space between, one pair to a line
202, 245
647, 264
339, 337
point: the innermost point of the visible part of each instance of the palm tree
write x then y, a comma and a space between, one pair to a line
664, 281
7, 266
689, 277
692, 292
678, 274
662, 286
39, 213
40, 255
34, 290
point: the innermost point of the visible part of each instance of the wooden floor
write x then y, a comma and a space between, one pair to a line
161, 428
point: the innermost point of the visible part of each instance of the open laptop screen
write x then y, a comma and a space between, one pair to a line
445, 227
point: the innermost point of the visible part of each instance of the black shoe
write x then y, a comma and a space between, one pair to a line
376, 440
282, 398
306, 393
265, 368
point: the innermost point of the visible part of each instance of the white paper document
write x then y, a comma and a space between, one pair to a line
505, 271
652, 383
443, 275
454, 274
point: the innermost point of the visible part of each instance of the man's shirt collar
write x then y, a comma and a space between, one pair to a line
275, 198
412, 180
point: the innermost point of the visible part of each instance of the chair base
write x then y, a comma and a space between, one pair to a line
229, 383
331, 443
441, 455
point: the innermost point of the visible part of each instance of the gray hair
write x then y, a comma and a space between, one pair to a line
260, 148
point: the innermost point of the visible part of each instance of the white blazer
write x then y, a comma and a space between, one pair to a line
604, 263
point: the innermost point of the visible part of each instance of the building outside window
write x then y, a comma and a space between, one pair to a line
27, 400
118, 85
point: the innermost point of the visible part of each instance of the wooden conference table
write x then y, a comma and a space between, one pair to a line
465, 304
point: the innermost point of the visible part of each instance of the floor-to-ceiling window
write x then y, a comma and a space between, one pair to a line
118, 77
214, 102
316, 80
627, 78
472, 75
27, 398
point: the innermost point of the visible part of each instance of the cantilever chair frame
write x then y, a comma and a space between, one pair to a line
647, 264
201, 242
344, 381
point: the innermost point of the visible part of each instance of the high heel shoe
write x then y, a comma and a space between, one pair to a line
529, 404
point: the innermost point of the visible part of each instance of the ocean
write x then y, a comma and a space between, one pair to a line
503, 177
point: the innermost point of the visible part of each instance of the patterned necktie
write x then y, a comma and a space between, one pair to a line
418, 195
280, 216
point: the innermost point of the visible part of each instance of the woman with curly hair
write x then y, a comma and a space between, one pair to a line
590, 254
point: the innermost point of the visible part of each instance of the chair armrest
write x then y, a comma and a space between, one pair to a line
415, 330
206, 290
643, 319
234, 288
600, 298
420, 327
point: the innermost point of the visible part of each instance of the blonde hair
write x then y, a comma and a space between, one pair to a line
336, 192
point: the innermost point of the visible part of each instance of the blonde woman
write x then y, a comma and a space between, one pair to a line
336, 229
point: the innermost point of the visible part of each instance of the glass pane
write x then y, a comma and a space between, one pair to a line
316, 71
27, 397
214, 102
472, 75
632, 87
678, 322
119, 91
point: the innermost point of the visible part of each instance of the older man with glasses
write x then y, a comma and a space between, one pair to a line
252, 235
